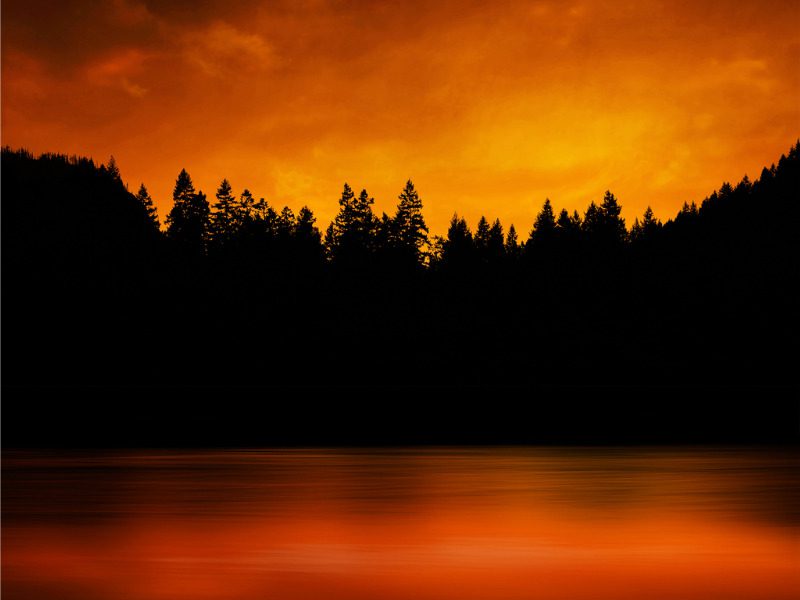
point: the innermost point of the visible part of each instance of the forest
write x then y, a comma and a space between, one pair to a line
254, 322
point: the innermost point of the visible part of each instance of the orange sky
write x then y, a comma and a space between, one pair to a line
488, 106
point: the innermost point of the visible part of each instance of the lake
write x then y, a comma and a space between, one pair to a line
438, 523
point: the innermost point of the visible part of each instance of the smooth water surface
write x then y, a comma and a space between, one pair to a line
460, 523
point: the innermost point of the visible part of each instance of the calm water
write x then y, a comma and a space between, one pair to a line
372, 524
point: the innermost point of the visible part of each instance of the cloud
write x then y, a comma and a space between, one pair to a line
117, 69
69, 34
133, 89
131, 13
221, 49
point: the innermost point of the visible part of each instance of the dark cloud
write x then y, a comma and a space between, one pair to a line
65, 35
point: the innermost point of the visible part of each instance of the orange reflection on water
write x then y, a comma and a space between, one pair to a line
454, 523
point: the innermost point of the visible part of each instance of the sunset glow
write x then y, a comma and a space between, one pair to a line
488, 106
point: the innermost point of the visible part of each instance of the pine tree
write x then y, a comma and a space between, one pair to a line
344, 220
341, 223
544, 226
745, 185
613, 225
512, 242
437, 252
592, 218
725, 191
482, 235
496, 246
410, 230
307, 241
113, 170
245, 210
687, 213
259, 207
188, 220
364, 221
286, 222
650, 224
305, 228
636, 234
645, 229
568, 236
457, 248
603, 225
568, 226
384, 234
355, 229
184, 188
147, 202
222, 218
543, 233
268, 223
330, 242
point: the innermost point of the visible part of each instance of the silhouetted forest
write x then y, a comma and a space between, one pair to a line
256, 319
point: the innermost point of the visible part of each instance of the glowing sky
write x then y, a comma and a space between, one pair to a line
488, 106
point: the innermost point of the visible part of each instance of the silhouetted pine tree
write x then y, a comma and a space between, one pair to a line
353, 239
568, 227
512, 243
687, 214
253, 227
305, 228
647, 229
410, 231
435, 262
147, 202
384, 236
113, 170
544, 227
329, 241
222, 221
496, 245
247, 210
343, 222
307, 246
592, 221
481, 240
744, 186
613, 225
286, 223
188, 221
458, 248
765, 181
365, 223
602, 225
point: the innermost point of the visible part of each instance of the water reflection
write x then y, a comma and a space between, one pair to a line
399, 523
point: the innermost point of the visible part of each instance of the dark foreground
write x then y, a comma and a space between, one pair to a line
297, 416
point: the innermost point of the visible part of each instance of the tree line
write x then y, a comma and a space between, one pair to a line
234, 289
235, 224
357, 235
359, 239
